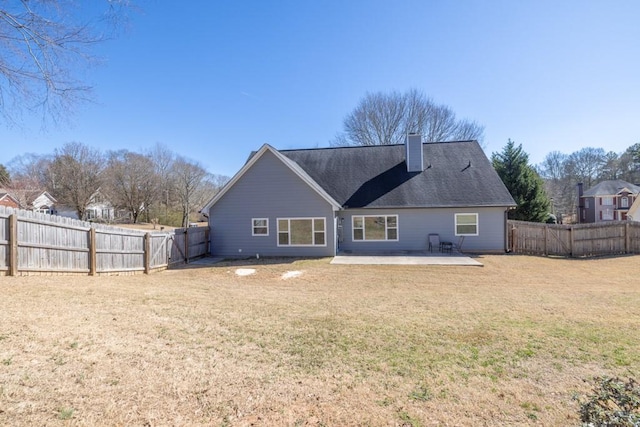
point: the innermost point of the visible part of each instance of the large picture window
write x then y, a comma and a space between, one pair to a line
301, 232
466, 224
375, 227
260, 227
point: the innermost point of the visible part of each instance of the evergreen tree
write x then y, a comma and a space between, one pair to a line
523, 182
5, 178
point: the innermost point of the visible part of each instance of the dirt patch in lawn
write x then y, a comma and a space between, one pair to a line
508, 344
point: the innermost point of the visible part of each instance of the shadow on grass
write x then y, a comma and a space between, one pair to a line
207, 262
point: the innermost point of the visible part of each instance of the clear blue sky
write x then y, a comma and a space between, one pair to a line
214, 80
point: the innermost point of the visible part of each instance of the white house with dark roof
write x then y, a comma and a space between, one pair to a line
317, 202
606, 201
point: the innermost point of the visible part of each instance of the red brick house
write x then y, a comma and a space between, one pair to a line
606, 201
8, 200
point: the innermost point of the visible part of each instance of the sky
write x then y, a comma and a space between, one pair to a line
214, 80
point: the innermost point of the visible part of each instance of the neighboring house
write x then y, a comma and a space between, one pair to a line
43, 203
98, 209
634, 211
33, 200
316, 202
8, 200
606, 201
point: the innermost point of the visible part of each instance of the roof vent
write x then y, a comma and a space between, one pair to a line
413, 153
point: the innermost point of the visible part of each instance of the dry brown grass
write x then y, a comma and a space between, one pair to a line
506, 344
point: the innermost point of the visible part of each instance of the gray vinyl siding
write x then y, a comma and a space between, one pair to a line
269, 189
414, 225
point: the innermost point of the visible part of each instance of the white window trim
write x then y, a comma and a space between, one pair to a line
607, 201
455, 225
364, 231
313, 232
254, 226
607, 214
624, 202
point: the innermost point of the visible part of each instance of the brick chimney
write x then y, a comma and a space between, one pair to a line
580, 202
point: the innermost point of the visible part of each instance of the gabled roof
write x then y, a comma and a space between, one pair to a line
611, 188
456, 174
634, 211
5, 195
27, 196
287, 162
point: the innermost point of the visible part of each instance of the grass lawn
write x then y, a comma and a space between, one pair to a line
509, 343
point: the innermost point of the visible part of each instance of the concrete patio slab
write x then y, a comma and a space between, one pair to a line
419, 259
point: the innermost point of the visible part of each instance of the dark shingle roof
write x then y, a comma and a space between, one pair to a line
610, 188
456, 174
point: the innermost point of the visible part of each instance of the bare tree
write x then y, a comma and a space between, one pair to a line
75, 175
586, 165
610, 168
43, 49
188, 180
30, 170
131, 181
382, 118
560, 185
163, 158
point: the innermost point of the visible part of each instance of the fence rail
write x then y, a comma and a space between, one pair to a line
577, 240
35, 243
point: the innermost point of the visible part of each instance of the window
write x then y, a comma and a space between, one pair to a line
586, 203
607, 201
607, 214
624, 202
301, 232
260, 227
375, 227
466, 224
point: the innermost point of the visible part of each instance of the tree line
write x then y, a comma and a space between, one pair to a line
157, 185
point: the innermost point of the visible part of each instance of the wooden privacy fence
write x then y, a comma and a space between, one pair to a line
577, 240
32, 243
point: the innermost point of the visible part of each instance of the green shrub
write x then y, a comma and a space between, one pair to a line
613, 403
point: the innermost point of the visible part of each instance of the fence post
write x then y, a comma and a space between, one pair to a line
627, 238
546, 238
571, 243
514, 239
207, 236
186, 245
93, 257
147, 253
13, 245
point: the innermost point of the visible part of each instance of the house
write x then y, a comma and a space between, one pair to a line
30, 199
316, 202
634, 211
43, 203
606, 201
99, 209
8, 200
